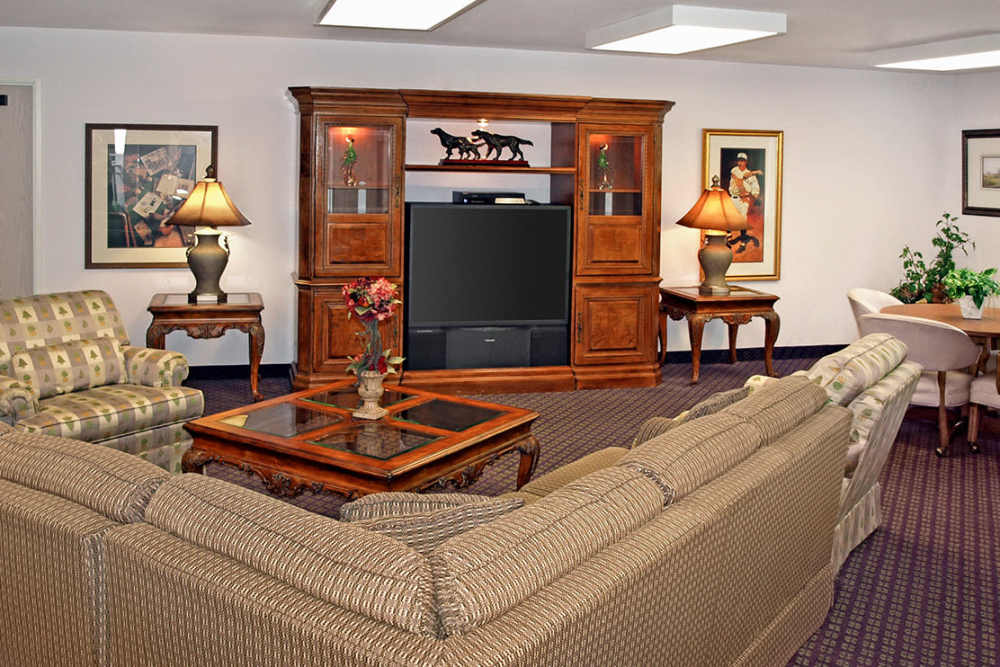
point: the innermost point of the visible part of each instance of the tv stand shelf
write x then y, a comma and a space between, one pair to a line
499, 169
348, 136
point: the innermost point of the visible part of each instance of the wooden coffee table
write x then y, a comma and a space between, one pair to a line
309, 440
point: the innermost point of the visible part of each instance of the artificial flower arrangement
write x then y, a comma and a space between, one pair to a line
372, 300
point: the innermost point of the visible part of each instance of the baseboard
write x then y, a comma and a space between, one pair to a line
756, 353
236, 371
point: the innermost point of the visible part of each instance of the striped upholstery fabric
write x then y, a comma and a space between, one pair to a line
106, 481
16, 400
654, 426
50, 567
878, 412
66, 367
48, 319
777, 407
423, 532
397, 503
315, 554
482, 573
847, 373
103, 413
684, 458
583, 466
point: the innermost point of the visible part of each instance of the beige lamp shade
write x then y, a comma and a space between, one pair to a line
208, 205
714, 210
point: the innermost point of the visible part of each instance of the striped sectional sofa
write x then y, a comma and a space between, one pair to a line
67, 369
706, 545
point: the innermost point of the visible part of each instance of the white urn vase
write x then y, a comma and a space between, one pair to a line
969, 309
370, 390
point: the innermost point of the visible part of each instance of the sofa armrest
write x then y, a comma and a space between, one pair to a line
155, 368
17, 401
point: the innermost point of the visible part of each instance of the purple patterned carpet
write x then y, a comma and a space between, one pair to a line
923, 590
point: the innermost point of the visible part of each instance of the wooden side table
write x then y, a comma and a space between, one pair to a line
172, 312
736, 308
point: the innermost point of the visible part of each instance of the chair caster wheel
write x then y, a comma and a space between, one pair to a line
941, 452
973, 447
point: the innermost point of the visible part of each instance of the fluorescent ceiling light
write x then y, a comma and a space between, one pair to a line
393, 14
948, 56
682, 28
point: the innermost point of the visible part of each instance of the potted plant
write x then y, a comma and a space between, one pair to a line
970, 289
926, 283
371, 300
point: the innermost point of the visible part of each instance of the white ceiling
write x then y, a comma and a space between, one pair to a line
831, 33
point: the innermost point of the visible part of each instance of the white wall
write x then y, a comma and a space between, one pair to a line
857, 144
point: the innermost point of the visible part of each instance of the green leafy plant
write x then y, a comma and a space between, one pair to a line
978, 285
923, 282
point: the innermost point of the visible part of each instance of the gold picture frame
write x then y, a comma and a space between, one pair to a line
757, 250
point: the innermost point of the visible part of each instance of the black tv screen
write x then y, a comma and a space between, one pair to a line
481, 265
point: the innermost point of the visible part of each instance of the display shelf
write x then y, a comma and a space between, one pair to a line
490, 169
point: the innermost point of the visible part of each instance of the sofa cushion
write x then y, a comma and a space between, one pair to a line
67, 367
400, 503
872, 408
47, 319
340, 563
779, 406
482, 573
847, 373
685, 457
110, 482
107, 412
654, 426
583, 466
424, 531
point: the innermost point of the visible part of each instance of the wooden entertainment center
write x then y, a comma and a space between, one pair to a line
351, 224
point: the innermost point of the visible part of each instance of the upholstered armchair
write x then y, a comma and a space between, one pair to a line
67, 369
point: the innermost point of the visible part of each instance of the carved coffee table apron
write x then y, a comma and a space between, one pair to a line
309, 440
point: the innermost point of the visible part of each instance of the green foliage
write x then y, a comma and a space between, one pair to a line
926, 283
978, 285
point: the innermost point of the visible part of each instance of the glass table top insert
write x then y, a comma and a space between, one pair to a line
447, 415
285, 420
375, 439
347, 398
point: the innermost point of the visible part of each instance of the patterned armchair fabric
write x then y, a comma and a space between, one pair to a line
87, 382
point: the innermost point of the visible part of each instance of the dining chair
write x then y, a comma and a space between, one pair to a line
944, 351
865, 301
984, 393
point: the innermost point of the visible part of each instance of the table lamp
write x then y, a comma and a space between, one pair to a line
208, 207
717, 215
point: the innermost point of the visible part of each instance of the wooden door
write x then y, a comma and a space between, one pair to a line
614, 324
335, 337
358, 198
618, 207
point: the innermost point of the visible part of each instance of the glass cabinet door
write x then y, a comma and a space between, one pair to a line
617, 212
358, 230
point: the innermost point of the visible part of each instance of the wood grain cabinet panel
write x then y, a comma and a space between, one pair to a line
614, 324
335, 336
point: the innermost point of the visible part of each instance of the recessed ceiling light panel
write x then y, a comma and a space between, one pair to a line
392, 14
683, 29
947, 56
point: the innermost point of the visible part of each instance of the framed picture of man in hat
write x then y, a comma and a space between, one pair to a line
748, 164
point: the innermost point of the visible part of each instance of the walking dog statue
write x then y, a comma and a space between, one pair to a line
461, 144
497, 142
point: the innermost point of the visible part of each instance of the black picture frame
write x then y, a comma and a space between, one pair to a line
981, 152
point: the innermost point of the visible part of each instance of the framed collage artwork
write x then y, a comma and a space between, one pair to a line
748, 164
136, 177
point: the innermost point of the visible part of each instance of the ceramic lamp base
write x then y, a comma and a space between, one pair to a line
207, 260
715, 258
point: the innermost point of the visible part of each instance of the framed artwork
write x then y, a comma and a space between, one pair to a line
981, 172
748, 164
137, 176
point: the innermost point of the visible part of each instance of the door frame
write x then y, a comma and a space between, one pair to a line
36, 169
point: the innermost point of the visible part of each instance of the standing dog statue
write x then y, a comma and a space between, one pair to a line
497, 142
461, 144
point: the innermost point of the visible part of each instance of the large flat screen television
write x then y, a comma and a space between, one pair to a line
487, 265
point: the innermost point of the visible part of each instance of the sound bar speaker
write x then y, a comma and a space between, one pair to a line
488, 347
425, 349
549, 346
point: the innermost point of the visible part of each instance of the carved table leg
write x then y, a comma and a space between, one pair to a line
529, 458
772, 324
733, 329
256, 352
663, 336
156, 336
696, 326
195, 460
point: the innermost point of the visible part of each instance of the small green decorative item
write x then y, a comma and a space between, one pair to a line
604, 168
347, 166
371, 300
970, 289
926, 283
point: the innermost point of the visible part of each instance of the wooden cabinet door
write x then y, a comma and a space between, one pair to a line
617, 229
334, 336
358, 198
614, 324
